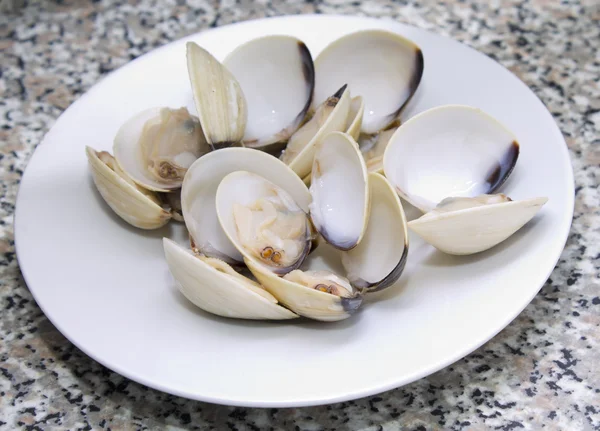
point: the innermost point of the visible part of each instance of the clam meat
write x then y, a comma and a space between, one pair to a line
330, 116
199, 191
263, 221
157, 146
319, 295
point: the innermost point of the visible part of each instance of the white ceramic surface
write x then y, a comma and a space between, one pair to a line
106, 286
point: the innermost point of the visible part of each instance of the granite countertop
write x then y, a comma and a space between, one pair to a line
541, 371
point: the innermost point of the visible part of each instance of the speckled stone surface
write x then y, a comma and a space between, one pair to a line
542, 371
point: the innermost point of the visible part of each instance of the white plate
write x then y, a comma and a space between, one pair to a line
107, 288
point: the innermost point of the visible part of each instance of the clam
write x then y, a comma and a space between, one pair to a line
157, 146
340, 193
217, 288
379, 258
320, 295
218, 96
467, 225
382, 67
134, 204
263, 222
277, 77
330, 116
373, 148
355, 116
200, 187
449, 151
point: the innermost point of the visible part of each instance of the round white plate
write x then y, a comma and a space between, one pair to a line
107, 288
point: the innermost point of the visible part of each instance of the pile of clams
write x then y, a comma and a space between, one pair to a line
285, 155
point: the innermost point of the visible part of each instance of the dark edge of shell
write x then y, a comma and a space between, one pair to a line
500, 173
350, 305
392, 277
223, 144
340, 92
344, 246
413, 84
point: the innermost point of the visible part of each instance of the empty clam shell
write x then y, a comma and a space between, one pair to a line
379, 259
215, 287
277, 77
331, 116
157, 146
449, 151
463, 226
263, 221
218, 96
382, 67
134, 204
340, 192
200, 187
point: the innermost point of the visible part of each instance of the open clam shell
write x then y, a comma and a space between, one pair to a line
219, 99
134, 204
215, 287
200, 187
330, 116
263, 222
157, 146
382, 67
449, 151
277, 76
462, 226
319, 295
379, 259
340, 192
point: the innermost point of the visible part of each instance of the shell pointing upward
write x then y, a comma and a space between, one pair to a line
219, 99
382, 67
277, 76
449, 151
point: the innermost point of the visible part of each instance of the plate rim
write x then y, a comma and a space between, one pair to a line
391, 383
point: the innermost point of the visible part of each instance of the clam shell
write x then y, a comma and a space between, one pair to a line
449, 151
128, 152
219, 289
379, 259
277, 76
200, 187
245, 188
305, 301
340, 192
137, 206
473, 225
